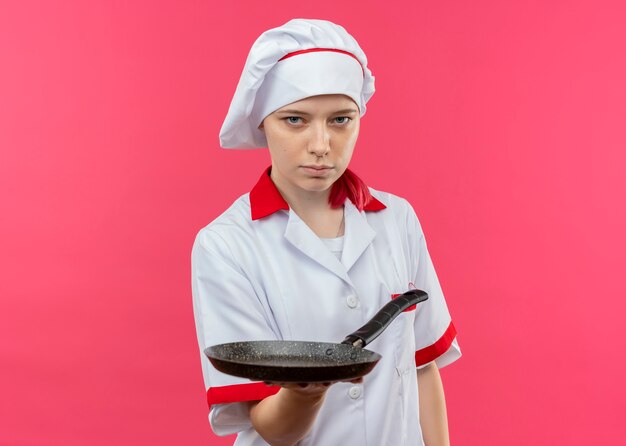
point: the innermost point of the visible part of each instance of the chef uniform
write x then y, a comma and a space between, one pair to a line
260, 273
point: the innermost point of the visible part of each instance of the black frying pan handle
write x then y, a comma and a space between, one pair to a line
370, 331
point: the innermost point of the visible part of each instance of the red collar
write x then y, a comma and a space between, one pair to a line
265, 198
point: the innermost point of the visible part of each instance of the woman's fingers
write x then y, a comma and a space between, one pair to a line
305, 385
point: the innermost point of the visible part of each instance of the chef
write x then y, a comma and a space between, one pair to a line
311, 253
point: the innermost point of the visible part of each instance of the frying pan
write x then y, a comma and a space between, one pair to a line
307, 362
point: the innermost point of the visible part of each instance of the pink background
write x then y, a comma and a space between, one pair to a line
502, 122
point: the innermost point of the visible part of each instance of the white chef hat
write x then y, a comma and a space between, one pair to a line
301, 58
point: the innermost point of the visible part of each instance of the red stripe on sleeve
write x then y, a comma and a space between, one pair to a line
239, 392
432, 352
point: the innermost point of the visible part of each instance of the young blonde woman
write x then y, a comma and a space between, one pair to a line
311, 253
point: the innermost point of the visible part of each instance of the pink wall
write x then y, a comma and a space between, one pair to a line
502, 122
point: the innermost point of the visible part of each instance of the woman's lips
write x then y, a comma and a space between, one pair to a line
317, 171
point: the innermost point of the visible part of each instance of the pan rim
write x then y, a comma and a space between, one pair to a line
372, 355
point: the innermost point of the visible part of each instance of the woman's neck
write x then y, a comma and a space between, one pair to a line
315, 210
325, 222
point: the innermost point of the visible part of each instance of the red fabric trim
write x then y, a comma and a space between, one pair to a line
239, 392
411, 308
432, 352
265, 199
374, 205
317, 50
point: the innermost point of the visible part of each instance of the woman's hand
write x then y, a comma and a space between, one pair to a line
312, 389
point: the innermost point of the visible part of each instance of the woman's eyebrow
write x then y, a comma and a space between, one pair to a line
346, 111
298, 112
293, 112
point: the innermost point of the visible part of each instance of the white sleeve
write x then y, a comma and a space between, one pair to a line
435, 334
226, 309
227, 419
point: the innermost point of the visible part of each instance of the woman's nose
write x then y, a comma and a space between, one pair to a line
319, 144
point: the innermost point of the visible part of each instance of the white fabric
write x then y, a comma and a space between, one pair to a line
335, 245
240, 127
305, 75
274, 278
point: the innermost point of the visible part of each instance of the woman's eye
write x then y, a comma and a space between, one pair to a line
342, 120
293, 120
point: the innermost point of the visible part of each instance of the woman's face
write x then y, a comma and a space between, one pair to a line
311, 141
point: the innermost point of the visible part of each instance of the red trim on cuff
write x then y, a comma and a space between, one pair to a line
432, 352
239, 392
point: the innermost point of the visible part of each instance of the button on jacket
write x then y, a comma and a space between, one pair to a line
260, 273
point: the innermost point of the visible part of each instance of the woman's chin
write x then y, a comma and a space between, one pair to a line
317, 184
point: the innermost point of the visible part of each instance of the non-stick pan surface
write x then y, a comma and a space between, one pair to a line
292, 361
303, 361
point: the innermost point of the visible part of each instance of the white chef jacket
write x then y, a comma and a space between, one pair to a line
260, 273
